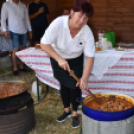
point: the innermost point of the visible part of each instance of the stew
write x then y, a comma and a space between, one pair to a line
110, 103
12, 88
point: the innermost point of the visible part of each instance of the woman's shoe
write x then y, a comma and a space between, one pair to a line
64, 116
75, 122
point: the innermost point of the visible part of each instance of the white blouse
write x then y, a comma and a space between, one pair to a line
58, 33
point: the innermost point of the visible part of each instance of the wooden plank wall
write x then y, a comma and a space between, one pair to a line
110, 15
116, 16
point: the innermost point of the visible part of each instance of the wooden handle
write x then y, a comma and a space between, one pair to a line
78, 80
47, 100
74, 76
95, 98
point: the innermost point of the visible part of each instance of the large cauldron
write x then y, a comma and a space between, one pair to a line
107, 116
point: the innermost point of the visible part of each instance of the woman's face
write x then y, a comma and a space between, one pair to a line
79, 19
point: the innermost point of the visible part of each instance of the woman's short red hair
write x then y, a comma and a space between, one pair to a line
83, 6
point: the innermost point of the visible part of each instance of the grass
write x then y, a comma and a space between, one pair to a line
45, 113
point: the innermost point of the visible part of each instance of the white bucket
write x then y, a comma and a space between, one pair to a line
34, 89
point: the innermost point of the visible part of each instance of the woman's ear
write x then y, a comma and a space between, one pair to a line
71, 13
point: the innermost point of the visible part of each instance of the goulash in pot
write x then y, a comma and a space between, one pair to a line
110, 103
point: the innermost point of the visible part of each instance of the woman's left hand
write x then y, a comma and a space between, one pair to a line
83, 84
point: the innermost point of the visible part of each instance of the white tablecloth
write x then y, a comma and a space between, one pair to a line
104, 60
118, 78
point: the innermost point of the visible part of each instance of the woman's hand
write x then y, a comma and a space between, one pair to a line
52, 53
84, 79
83, 84
63, 64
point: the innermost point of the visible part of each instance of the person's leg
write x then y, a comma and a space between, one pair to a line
74, 94
22, 45
15, 60
15, 43
65, 95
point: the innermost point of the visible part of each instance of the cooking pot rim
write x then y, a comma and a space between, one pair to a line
27, 86
107, 93
109, 111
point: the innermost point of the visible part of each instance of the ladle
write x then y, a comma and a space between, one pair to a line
78, 80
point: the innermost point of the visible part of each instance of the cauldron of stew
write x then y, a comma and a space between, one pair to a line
114, 107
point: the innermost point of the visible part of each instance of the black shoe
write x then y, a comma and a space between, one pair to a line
24, 70
16, 73
64, 116
75, 122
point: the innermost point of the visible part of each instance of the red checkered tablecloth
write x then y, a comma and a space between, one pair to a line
119, 78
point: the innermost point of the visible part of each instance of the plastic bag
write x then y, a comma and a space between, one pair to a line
110, 37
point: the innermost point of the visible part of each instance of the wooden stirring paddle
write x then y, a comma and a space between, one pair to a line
78, 80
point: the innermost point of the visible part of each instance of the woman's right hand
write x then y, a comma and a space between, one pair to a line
63, 64
52, 53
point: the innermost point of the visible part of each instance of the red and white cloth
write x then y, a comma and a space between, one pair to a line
118, 78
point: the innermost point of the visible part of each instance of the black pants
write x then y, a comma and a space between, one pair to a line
69, 96
69, 91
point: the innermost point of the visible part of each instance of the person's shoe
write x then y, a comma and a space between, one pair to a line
64, 116
75, 122
16, 73
24, 70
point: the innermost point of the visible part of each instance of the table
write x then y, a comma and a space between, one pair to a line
118, 78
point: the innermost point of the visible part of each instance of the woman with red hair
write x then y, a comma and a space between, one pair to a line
73, 39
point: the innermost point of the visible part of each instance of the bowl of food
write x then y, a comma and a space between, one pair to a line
98, 49
114, 107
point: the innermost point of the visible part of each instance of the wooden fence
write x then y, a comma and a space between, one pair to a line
109, 15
